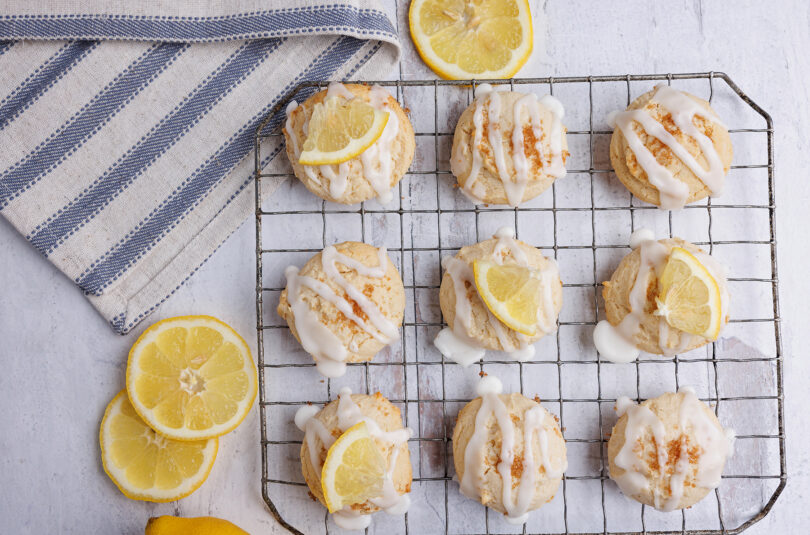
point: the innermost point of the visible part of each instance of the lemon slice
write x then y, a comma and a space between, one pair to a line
354, 469
148, 466
341, 129
461, 39
511, 293
191, 377
689, 297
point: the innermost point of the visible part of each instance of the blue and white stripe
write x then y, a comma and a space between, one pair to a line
124, 162
282, 22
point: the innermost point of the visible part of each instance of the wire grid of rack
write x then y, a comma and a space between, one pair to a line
747, 492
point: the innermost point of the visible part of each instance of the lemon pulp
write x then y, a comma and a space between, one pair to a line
148, 466
354, 470
512, 293
340, 130
464, 39
191, 377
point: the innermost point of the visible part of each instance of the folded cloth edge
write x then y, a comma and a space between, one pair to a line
345, 19
125, 307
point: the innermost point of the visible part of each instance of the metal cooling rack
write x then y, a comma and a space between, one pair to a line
587, 502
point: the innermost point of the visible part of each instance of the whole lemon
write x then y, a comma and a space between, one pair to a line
202, 525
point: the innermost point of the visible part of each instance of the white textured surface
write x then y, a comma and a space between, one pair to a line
61, 363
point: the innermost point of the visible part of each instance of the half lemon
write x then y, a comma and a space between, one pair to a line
688, 296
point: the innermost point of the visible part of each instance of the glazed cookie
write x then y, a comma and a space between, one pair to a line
344, 305
493, 464
375, 171
669, 148
508, 147
668, 452
472, 327
384, 423
630, 302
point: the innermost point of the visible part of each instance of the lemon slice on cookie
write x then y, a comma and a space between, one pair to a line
461, 40
148, 466
354, 470
688, 296
191, 377
512, 293
340, 130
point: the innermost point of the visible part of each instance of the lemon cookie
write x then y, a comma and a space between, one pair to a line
508, 147
384, 423
492, 460
473, 328
669, 148
668, 452
344, 305
647, 309
371, 173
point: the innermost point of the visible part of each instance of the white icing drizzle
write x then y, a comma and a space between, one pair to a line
486, 89
612, 345
714, 447
517, 506
652, 255
506, 244
715, 443
316, 338
351, 520
640, 419
376, 160
663, 335
607, 338
348, 415
453, 341
640, 236
460, 349
305, 421
495, 139
514, 187
291, 107
557, 166
337, 181
683, 109
330, 257
336, 89
615, 343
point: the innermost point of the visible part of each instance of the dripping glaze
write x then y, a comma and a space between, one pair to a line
376, 160
453, 341
517, 506
513, 186
317, 339
348, 415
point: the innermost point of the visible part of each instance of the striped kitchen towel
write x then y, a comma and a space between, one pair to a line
125, 126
